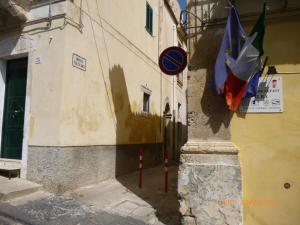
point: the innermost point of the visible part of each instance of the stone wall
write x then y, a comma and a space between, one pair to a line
61, 169
209, 184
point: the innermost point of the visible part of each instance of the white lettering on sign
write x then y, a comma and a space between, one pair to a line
79, 62
268, 98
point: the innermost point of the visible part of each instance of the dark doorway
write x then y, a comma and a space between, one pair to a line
14, 108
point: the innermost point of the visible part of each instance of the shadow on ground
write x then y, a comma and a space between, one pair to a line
152, 191
145, 131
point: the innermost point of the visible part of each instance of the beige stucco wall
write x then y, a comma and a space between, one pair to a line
45, 87
102, 105
269, 143
43, 98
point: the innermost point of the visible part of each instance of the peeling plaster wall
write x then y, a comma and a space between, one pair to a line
106, 102
77, 107
77, 116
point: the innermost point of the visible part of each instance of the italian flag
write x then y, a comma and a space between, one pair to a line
245, 66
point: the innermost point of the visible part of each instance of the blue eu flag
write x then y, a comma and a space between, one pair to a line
232, 44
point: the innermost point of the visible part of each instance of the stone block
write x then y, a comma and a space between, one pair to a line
209, 184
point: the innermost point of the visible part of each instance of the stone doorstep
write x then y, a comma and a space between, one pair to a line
10, 164
15, 188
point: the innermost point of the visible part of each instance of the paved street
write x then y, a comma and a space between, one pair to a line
118, 202
55, 210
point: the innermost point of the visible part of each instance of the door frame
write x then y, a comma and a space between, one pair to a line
3, 68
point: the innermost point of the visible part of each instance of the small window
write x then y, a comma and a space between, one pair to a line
149, 18
146, 103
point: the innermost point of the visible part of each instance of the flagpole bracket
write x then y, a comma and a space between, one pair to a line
184, 23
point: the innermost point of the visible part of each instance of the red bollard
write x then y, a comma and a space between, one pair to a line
166, 161
141, 167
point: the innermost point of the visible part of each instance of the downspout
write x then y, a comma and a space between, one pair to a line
50, 14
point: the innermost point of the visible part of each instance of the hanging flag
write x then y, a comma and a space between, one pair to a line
233, 39
240, 73
259, 28
252, 86
246, 66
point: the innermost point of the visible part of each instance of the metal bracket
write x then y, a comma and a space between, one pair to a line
184, 23
231, 3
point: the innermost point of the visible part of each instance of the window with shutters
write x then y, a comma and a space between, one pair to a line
149, 18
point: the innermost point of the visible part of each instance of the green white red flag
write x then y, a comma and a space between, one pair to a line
245, 66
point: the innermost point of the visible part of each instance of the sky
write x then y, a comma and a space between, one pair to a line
182, 3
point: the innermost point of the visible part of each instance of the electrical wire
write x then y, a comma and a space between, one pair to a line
102, 71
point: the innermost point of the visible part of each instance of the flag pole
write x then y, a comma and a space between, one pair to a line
264, 66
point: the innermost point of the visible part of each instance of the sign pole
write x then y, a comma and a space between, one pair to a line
166, 161
141, 152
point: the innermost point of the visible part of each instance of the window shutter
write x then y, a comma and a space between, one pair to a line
151, 20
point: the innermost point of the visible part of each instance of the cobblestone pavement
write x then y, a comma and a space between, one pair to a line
113, 202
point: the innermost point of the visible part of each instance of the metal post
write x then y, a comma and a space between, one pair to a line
166, 161
141, 152
174, 112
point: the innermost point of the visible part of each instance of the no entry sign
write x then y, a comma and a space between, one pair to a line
173, 60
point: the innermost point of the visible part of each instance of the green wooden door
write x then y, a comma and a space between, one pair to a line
14, 107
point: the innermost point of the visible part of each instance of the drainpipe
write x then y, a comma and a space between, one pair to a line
174, 111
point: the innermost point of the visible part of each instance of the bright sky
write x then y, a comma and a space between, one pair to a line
182, 3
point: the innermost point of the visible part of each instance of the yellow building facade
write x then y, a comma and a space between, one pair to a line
267, 144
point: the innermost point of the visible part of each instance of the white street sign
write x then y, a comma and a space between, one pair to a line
269, 98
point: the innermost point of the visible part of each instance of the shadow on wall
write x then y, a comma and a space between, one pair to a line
133, 130
206, 43
141, 131
137, 129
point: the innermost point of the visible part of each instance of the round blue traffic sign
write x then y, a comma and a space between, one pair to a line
173, 60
